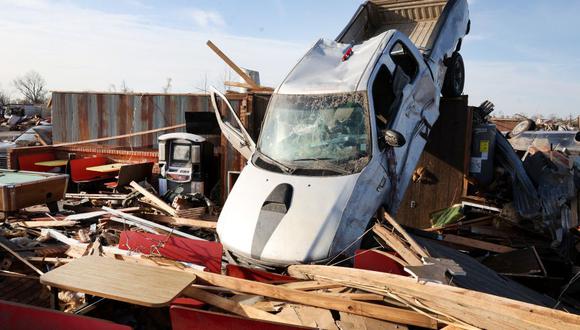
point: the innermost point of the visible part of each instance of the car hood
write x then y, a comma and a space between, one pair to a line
283, 219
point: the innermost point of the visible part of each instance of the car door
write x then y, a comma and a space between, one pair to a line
235, 134
402, 109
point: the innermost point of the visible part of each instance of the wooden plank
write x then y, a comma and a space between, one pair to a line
149, 223
45, 224
123, 136
19, 257
356, 296
233, 65
311, 299
309, 285
414, 246
309, 316
474, 308
355, 322
247, 86
396, 244
119, 280
185, 222
154, 199
474, 243
234, 307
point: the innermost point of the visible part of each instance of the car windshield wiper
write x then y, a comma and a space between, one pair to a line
311, 159
285, 168
327, 167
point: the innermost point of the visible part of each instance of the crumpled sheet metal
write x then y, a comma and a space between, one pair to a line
526, 199
548, 140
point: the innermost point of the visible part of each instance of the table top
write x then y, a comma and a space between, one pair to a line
120, 280
108, 168
53, 163
18, 177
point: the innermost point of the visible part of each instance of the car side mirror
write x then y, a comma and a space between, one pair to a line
393, 138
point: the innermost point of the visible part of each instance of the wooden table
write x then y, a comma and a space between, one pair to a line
53, 163
108, 168
120, 280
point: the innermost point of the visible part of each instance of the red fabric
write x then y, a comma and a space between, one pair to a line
23, 317
79, 172
183, 318
372, 260
208, 254
258, 275
26, 162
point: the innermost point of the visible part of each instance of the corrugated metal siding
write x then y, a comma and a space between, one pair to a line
83, 116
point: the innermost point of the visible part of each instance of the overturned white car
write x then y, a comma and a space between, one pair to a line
342, 133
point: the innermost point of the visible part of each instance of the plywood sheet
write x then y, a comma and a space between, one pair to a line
119, 280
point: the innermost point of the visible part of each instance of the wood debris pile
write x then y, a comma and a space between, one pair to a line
140, 252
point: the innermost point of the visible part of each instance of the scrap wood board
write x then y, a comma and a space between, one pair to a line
119, 280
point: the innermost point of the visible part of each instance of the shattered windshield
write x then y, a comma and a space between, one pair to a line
329, 133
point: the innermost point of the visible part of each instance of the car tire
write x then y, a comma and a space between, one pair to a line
522, 126
454, 77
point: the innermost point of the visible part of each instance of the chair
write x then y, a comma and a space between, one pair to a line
132, 172
79, 174
26, 161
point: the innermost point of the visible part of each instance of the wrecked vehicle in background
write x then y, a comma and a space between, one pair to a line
30, 137
342, 133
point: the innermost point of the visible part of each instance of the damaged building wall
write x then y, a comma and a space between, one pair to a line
99, 115
438, 181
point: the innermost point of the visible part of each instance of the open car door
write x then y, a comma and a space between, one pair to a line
238, 137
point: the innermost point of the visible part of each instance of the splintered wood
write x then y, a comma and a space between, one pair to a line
451, 305
400, 241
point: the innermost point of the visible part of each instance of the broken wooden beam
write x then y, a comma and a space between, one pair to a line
19, 257
185, 222
398, 245
453, 304
233, 65
154, 199
45, 224
477, 244
247, 86
149, 223
386, 313
234, 306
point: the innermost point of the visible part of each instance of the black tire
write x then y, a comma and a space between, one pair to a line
522, 126
454, 77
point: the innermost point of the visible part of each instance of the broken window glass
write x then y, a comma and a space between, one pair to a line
328, 131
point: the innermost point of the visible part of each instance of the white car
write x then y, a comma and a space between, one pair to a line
341, 137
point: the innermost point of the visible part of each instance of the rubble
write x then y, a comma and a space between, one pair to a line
135, 243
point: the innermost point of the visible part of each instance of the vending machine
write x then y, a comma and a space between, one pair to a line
184, 161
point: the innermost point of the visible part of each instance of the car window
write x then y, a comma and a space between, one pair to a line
383, 97
404, 59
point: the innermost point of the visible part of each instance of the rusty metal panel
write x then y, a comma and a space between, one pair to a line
81, 116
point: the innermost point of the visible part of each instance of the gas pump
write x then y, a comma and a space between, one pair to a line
184, 159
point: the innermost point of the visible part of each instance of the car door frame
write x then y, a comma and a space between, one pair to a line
394, 159
239, 138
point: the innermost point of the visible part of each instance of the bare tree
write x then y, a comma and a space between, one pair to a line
124, 88
4, 98
32, 86
167, 86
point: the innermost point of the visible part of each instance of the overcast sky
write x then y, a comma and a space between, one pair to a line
521, 54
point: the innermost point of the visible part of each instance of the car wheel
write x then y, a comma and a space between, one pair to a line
454, 77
